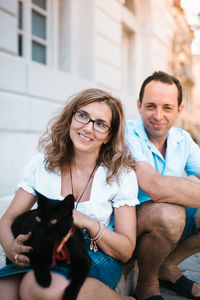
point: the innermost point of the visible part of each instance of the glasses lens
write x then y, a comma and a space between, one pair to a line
100, 127
84, 118
81, 117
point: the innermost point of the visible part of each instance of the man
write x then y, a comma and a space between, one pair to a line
168, 232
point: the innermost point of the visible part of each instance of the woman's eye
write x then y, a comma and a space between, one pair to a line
53, 221
83, 115
100, 124
37, 219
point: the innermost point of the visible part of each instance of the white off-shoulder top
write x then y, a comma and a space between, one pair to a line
103, 198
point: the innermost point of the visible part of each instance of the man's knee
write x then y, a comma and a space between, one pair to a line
197, 219
162, 219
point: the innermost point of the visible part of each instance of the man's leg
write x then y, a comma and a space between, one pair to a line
169, 270
160, 226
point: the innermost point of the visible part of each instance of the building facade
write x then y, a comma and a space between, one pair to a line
51, 49
196, 99
182, 64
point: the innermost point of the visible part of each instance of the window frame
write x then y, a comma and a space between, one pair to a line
20, 31
51, 31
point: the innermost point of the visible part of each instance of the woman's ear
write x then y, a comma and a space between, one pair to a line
107, 139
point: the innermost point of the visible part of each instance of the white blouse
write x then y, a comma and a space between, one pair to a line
103, 198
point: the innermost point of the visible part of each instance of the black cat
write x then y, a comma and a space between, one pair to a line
49, 224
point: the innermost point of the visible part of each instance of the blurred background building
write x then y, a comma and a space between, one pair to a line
51, 49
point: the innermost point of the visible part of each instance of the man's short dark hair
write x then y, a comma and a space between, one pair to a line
165, 78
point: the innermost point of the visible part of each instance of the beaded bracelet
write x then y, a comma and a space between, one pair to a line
96, 238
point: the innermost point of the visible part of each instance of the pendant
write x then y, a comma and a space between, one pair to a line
93, 246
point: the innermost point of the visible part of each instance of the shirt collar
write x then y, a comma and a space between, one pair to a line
174, 137
139, 129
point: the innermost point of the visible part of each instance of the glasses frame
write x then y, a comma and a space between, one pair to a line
109, 129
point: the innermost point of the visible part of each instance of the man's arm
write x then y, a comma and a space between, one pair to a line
167, 188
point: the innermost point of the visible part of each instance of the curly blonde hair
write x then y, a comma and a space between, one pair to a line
58, 147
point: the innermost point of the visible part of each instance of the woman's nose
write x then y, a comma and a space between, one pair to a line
89, 126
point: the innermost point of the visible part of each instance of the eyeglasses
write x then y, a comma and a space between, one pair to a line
83, 117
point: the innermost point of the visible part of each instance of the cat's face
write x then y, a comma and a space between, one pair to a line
53, 218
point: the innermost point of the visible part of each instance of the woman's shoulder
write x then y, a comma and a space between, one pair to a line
127, 174
28, 177
35, 162
37, 158
124, 174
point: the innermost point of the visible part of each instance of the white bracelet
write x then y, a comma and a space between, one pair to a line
99, 233
96, 238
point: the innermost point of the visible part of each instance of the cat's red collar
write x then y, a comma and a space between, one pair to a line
65, 239
61, 251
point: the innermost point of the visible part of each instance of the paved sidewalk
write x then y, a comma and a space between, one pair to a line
190, 268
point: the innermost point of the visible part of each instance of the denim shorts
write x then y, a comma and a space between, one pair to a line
103, 268
190, 225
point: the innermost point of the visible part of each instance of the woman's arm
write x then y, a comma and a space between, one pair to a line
118, 244
22, 202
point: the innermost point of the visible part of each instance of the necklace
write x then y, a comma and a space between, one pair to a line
85, 186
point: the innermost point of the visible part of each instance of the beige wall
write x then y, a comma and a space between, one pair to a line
101, 43
196, 98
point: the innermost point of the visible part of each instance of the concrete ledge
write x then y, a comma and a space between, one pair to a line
128, 280
2, 257
4, 203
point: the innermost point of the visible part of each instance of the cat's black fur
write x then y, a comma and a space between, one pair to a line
45, 234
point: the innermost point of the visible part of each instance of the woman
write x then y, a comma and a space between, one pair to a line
84, 154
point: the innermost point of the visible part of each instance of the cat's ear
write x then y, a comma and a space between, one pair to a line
41, 199
68, 203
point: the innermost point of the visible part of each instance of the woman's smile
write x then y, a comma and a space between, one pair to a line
84, 138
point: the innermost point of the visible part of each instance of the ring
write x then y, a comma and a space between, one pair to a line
16, 256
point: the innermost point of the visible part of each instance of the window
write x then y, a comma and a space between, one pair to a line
20, 29
127, 64
130, 5
33, 18
39, 31
130, 27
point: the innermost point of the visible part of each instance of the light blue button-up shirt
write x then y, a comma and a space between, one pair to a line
182, 153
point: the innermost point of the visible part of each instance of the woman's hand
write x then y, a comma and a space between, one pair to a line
17, 249
80, 220
83, 221
118, 244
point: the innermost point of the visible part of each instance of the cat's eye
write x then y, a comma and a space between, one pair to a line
37, 219
53, 221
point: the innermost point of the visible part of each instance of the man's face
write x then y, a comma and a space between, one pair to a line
159, 109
